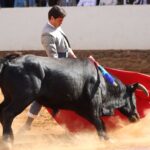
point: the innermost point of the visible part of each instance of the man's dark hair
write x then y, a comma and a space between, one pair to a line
56, 11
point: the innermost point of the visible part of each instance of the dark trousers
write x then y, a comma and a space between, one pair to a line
42, 3
7, 3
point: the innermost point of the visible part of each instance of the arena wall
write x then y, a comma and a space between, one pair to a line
117, 36
88, 28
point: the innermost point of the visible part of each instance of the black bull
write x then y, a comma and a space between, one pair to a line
72, 84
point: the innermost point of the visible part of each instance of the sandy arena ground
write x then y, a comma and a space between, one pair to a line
47, 134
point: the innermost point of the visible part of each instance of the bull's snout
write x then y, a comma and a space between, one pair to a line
134, 118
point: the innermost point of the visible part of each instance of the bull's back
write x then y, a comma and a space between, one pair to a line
66, 80
62, 80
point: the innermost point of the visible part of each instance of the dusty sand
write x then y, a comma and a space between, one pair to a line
47, 134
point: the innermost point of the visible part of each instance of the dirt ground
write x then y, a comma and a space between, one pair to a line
134, 60
47, 134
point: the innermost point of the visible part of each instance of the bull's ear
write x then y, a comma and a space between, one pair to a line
134, 86
131, 88
139, 86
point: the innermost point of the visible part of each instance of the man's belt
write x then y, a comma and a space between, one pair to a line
62, 54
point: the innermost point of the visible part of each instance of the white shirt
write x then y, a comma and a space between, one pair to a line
108, 2
86, 3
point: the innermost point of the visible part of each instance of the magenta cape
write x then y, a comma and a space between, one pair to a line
75, 123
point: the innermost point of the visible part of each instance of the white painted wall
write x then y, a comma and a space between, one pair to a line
101, 27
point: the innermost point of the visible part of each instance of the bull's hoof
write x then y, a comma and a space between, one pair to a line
5, 145
133, 119
103, 136
8, 140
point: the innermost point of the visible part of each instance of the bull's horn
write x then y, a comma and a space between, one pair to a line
143, 88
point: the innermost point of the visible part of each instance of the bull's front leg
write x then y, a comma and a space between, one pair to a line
100, 126
6, 121
94, 119
7, 130
2, 106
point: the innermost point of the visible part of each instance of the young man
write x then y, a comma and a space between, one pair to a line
56, 45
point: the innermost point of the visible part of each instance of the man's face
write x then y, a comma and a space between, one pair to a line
56, 22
